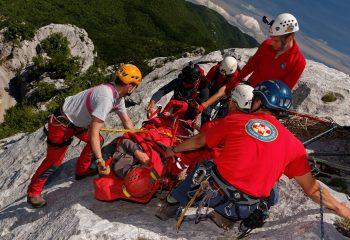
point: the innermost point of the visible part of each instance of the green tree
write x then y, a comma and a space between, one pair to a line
19, 31
56, 44
44, 91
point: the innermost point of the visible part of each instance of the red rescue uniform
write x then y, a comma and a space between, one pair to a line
217, 80
258, 149
264, 65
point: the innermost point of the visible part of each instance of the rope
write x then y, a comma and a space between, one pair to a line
209, 194
189, 204
333, 127
321, 213
318, 119
123, 130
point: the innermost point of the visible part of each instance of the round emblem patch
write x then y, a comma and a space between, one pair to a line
261, 130
283, 65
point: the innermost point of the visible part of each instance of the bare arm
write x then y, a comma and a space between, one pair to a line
219, 94
94, 136
194, 143
126, 121
312, 188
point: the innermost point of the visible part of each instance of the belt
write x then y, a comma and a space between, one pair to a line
232, 193
61, 117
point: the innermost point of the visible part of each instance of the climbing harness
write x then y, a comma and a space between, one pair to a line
190, 203
113, 89
208, 194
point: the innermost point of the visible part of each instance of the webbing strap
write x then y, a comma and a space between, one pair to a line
88, 100
56, 145
232, 193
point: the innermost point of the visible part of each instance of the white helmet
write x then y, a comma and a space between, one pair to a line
243, 95
283, 24
228, 66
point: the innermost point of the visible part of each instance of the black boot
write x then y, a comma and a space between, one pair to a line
36, 201
167, 210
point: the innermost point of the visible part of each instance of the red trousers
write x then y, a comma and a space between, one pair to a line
57, 133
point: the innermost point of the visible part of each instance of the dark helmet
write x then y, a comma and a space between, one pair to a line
274, 94
190, 73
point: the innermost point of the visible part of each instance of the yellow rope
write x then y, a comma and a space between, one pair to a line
122, 130
189, 204
170, 135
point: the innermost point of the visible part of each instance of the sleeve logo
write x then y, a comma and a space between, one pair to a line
261, 130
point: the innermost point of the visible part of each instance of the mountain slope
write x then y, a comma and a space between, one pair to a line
73, 213
126, 31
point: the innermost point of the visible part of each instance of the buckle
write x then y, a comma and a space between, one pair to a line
64, 121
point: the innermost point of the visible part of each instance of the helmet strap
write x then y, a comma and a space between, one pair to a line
258, 108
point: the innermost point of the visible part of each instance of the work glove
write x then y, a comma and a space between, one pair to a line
102, 168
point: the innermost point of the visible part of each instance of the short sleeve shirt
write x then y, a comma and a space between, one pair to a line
258, 149
102, 101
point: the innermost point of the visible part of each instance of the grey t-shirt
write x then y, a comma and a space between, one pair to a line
101, 100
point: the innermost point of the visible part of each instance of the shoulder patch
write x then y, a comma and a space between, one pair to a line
261, 130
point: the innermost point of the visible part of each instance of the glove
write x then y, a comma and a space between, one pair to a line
201, 108
101, 166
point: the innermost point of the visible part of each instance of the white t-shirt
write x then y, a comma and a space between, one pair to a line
101, 100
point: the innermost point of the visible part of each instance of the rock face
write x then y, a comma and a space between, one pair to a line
73, 213
15, 58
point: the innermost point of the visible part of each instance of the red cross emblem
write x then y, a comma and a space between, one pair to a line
261, 129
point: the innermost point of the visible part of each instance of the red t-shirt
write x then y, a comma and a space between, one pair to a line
221, 79
258, 149
287, 67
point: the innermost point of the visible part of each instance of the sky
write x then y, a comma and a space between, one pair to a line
325, 20
324, 24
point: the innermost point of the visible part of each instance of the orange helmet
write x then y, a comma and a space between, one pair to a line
129, 73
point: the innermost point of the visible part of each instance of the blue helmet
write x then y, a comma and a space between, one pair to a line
274, 94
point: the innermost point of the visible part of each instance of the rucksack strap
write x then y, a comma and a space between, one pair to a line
88, 100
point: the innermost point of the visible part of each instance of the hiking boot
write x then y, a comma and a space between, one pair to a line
90, 172
221, 221
36, 201
167, 210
